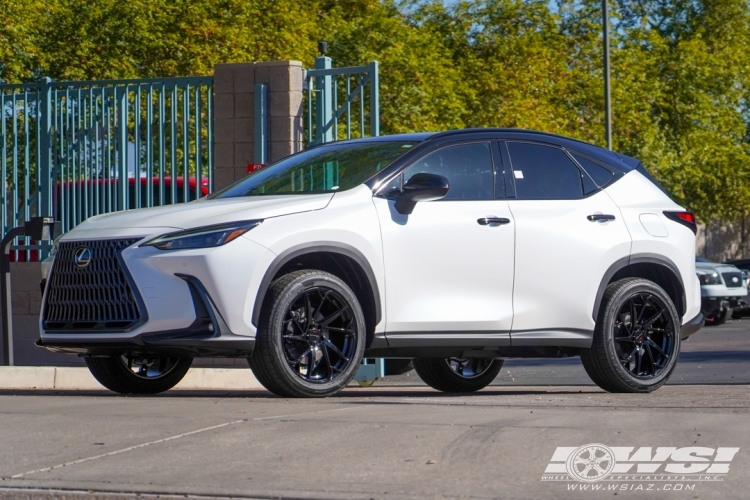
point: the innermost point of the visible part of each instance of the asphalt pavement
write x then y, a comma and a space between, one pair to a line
397, 439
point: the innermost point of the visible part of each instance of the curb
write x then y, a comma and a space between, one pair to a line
80, 379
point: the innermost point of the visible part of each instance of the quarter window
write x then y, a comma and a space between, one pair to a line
468, 168
544, 173
601, 175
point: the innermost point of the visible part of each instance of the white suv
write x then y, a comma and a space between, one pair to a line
429, 246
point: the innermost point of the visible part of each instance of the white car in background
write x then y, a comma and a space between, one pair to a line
723, 288
430, 246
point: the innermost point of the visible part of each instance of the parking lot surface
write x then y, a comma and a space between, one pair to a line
397, 439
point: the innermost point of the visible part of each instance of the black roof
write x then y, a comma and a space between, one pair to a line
619, 161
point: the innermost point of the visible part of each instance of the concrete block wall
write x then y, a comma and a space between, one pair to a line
26, 303
234, 98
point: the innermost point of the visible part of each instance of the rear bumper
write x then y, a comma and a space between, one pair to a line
692, 326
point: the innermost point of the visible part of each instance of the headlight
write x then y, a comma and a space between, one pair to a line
709, 279
203, 237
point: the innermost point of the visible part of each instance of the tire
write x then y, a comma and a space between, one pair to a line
396, 366
295, 357
144, 376
442, 374
627, 359
719, 318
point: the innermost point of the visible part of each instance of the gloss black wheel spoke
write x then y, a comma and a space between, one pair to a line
311, 364
630, 339
297, 361
329, 319
658, 349
294, 338
316, 351
335, 349
328, 361
650, 357
339, 330
323, 298
652, 319
308, 310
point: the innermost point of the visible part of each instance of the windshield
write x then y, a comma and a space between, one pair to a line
325, 169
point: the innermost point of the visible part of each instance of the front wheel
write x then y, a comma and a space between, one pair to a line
128, 374
458, 374
636, 340
311, 336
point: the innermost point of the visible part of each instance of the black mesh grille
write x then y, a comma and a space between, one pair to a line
91, 298
732, 280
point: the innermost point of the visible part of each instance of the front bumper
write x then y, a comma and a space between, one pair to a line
197, 303
692, 326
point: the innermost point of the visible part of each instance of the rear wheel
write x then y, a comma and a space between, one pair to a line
457, 374
636, 340
128, 374
311, 336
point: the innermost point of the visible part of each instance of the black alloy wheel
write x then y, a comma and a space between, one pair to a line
135, 374
457, 374
311, 336
469, 367
150, 368
644, 335
318, 339
636, 341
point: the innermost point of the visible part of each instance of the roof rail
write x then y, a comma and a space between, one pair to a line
520, 130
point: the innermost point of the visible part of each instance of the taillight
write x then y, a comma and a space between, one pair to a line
684, 218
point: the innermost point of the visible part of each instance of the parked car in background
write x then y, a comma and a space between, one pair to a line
723, 289
744, 266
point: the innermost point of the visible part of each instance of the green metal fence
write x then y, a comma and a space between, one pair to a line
78, 149
339, 97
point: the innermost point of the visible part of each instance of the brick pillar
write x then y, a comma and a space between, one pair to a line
234, 86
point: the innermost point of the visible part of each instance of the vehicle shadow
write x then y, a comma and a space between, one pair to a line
351, 393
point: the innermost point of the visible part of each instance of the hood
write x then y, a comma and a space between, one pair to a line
205, 212
716, 267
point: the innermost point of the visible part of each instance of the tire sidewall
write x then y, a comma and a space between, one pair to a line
276, 331
610, 316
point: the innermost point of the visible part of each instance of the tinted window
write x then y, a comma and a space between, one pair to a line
325, 169
468, 168
544, 173
600, 174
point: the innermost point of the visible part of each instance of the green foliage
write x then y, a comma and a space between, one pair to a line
679, 69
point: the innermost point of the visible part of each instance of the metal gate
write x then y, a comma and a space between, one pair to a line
338, 97
78, 149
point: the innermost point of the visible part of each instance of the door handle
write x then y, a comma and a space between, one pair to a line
600, 217
492, 221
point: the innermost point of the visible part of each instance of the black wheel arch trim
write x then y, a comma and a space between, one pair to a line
639, 258
326, 246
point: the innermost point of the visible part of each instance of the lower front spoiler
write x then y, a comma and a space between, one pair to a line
692, 326
182, 344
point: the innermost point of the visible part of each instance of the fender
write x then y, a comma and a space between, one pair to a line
639, 258
322, 246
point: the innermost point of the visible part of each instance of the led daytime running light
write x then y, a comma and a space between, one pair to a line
202, 237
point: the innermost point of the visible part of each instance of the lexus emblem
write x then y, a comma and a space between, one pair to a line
82, 257
735, 280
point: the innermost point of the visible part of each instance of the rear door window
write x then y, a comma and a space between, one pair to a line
544, 173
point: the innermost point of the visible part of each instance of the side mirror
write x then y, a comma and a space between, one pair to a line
421, 187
